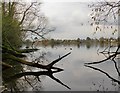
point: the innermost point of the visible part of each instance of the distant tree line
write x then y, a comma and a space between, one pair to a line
77, 41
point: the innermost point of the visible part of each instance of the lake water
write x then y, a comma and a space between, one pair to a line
75, 74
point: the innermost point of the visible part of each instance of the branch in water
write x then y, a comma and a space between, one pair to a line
37, 74
108, 58
115, 80
111, 56
57, 80
57, 60
47, 67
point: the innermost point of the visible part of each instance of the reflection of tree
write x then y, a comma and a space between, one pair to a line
37, 74
105, 14
19, 21
113, 57
88, 45
78, 45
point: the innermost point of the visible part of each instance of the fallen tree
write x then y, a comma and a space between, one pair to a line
37, 74
15, 56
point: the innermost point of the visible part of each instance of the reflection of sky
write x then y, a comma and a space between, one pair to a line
75, 75
67, 17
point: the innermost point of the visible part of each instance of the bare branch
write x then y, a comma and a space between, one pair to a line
115, 80
111, 56
116, 67
24, 14
57, 60
57, 80
37, 74
34, 31
47, 67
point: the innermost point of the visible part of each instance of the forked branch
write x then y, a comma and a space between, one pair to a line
47, 67
37, 74
97, 69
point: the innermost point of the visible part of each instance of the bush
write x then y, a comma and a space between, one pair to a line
11, 33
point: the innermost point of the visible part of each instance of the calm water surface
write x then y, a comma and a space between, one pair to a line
75, 74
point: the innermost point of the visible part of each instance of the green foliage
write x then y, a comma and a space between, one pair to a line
11, 32
11, 39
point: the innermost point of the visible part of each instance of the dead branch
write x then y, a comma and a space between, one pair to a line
24, 14
34, 31
104, 60
116, 67
57, 60
37, 74
97, 69
57, 80
47, 67
110, 57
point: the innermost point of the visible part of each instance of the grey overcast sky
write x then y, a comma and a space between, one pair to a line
67, 18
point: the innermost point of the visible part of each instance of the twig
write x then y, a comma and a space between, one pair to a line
57, 80
57, 60
116, 67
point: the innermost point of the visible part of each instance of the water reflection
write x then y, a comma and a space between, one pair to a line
11, 83
75, 75
80, 77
